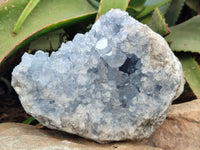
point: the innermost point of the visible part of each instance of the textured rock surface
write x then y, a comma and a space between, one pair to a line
15, 136
115, 82
188, 111
181, 129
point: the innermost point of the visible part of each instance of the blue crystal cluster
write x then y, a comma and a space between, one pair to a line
113, 83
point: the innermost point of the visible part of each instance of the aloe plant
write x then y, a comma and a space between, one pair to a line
158, 23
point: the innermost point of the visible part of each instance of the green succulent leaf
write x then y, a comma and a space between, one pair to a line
47, 16
28, 9
194, 5
136, 3
135, 7
165, 8
94, 3
158, 23
106, 5
185, 36
29, 120
174, 11
150, 5
191, 72
146, 20
48, 42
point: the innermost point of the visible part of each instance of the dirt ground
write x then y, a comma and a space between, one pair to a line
10, 108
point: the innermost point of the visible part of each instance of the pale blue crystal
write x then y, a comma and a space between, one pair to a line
115, 82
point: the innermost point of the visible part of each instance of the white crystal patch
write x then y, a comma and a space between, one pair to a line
102, 44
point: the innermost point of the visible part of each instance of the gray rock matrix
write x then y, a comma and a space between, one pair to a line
115, 82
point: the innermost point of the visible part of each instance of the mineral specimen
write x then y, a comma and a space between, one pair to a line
115, 82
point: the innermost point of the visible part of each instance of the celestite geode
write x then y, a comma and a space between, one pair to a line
115, 82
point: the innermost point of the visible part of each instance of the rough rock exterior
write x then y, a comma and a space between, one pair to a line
181, 129
114, 83
16, 136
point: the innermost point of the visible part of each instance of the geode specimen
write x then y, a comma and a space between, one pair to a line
115, 82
